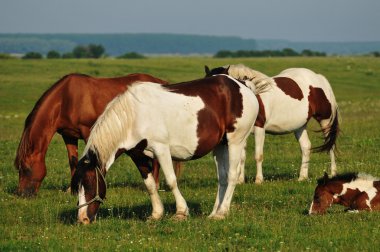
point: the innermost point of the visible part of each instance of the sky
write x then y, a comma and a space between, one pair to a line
295, 20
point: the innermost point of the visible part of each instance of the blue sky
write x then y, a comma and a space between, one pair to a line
296, 20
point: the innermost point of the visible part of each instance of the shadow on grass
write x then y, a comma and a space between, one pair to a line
140, 212
272, 177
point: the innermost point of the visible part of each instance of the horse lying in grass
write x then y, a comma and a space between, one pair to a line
70, 107
182, 121
352, 190
287, 102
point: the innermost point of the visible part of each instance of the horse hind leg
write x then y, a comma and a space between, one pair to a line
220, 154
305, 145
228, 177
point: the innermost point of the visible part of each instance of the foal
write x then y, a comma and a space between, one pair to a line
357, 191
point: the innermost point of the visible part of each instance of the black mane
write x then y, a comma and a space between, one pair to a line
346, 177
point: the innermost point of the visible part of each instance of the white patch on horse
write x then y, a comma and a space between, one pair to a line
371, 194
181, 136
82, 212
360, 184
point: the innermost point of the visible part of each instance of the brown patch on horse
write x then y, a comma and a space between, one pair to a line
226, 114
289, 87
261, 119
319, 105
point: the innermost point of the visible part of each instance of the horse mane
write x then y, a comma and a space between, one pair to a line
348, 177
26, 145
241, 72
112, 125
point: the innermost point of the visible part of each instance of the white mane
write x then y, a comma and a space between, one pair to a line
110, 128
255, 80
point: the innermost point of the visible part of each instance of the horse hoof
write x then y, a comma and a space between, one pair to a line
259, 181
217, 217
240, 181
302, 179
180, 216
154, 218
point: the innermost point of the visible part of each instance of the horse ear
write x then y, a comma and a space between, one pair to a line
207, 70
228, 68
325, 177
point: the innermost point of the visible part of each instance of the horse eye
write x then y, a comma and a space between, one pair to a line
86, 161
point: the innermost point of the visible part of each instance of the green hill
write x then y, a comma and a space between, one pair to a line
117, 44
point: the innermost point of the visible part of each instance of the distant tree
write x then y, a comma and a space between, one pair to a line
376, 54
53, 55
131, 55
307, 53
88, 51
32, 55
223, 54
6, 56
95, 51
289, 52
68, 55
80, 51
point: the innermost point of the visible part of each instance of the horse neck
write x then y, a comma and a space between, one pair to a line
257, 81
110, 129
39, 128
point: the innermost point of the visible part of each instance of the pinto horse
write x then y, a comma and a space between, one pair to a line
357, 191
287, 102
182, 121
70, 107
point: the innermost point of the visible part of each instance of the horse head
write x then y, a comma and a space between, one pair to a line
323, 196
88, 181
214, 71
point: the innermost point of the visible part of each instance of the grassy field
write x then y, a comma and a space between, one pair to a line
270, 217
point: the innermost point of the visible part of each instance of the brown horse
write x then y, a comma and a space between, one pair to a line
70, 107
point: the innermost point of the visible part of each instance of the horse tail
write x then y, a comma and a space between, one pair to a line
331, 135
331, 131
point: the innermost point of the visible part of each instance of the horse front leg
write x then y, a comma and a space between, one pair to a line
259, 153
241, 178
72, 152
142, 163
162, 153
303, 139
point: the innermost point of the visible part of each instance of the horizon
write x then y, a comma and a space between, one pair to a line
183, 34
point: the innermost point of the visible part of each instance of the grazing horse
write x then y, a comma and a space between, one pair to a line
70, 107
287, 101
182, 121
355, 191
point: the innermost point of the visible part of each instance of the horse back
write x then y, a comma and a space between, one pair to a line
224, 102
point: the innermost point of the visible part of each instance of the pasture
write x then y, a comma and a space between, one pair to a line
271, 217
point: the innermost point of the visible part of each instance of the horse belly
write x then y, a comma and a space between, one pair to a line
287, 117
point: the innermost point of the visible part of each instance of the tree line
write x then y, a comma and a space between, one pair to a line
90, 51
286, 52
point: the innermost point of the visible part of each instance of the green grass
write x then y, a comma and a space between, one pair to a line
267, 217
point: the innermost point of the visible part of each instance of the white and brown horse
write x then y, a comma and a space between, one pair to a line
182, 121
355, 191
287, 102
